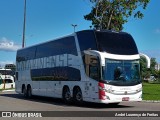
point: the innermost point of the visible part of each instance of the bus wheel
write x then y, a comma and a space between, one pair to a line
29, 92
77, 95
67, 95
24, 91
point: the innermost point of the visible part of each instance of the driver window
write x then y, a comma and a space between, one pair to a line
92, 66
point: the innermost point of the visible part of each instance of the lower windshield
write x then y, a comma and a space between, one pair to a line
6, 72
121, 72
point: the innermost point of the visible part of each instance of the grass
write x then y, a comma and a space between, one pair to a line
151, 91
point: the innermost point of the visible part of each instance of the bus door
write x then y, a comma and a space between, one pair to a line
19, 80
92, 69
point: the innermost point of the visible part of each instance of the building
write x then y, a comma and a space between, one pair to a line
157, 66
10, 66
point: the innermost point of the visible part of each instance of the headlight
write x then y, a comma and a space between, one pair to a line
139, 89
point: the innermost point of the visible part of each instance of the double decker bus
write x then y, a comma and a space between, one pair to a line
89, 65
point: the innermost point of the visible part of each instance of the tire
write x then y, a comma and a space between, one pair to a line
67, 95
78, 97
24, 91
29, 92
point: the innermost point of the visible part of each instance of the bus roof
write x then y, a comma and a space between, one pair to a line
120, 43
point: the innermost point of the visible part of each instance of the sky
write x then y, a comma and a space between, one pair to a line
50, 19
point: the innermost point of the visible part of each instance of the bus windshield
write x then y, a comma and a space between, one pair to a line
121, 72
6, 72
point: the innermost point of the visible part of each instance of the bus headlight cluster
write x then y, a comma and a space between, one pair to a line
109, 90
139, 90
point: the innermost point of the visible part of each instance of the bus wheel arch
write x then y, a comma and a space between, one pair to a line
66, 94
77, 95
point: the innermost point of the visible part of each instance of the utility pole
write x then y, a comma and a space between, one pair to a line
24, 25
74, 26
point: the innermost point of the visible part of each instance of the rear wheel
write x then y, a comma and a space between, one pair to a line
29, 92
78, 98
67, 95
24, 91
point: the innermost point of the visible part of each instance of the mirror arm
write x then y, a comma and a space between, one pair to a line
147, 58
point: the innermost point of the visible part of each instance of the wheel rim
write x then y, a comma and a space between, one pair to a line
79, 96
67, 95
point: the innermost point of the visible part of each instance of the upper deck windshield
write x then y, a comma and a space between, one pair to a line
121, 72
116, 43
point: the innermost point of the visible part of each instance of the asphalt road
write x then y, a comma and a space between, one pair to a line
10, 101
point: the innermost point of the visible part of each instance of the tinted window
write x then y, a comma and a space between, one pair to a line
92, 66
26, 54
56, 73
122, 72
65, 45
62, 46
116, 43
87, 40
8, 81
6, 72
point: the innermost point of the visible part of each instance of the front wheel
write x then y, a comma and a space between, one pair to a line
78, 98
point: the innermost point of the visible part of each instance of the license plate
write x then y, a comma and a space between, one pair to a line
125, 99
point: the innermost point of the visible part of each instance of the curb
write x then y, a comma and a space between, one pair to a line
151, 101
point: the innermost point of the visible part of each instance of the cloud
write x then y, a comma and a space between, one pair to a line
8, 45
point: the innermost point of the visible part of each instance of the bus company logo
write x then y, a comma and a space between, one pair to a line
6, 114
125, 89
125, 92
21, 114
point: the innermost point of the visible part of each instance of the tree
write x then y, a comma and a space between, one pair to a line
153, 64
158, 73
145, 73
112, 14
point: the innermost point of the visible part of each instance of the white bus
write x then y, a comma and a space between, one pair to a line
7, 80
89, 65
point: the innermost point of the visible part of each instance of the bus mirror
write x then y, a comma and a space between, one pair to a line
147, 59
87, 59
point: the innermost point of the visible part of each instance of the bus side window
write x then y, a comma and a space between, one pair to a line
92, 67
94, 72
8, 81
